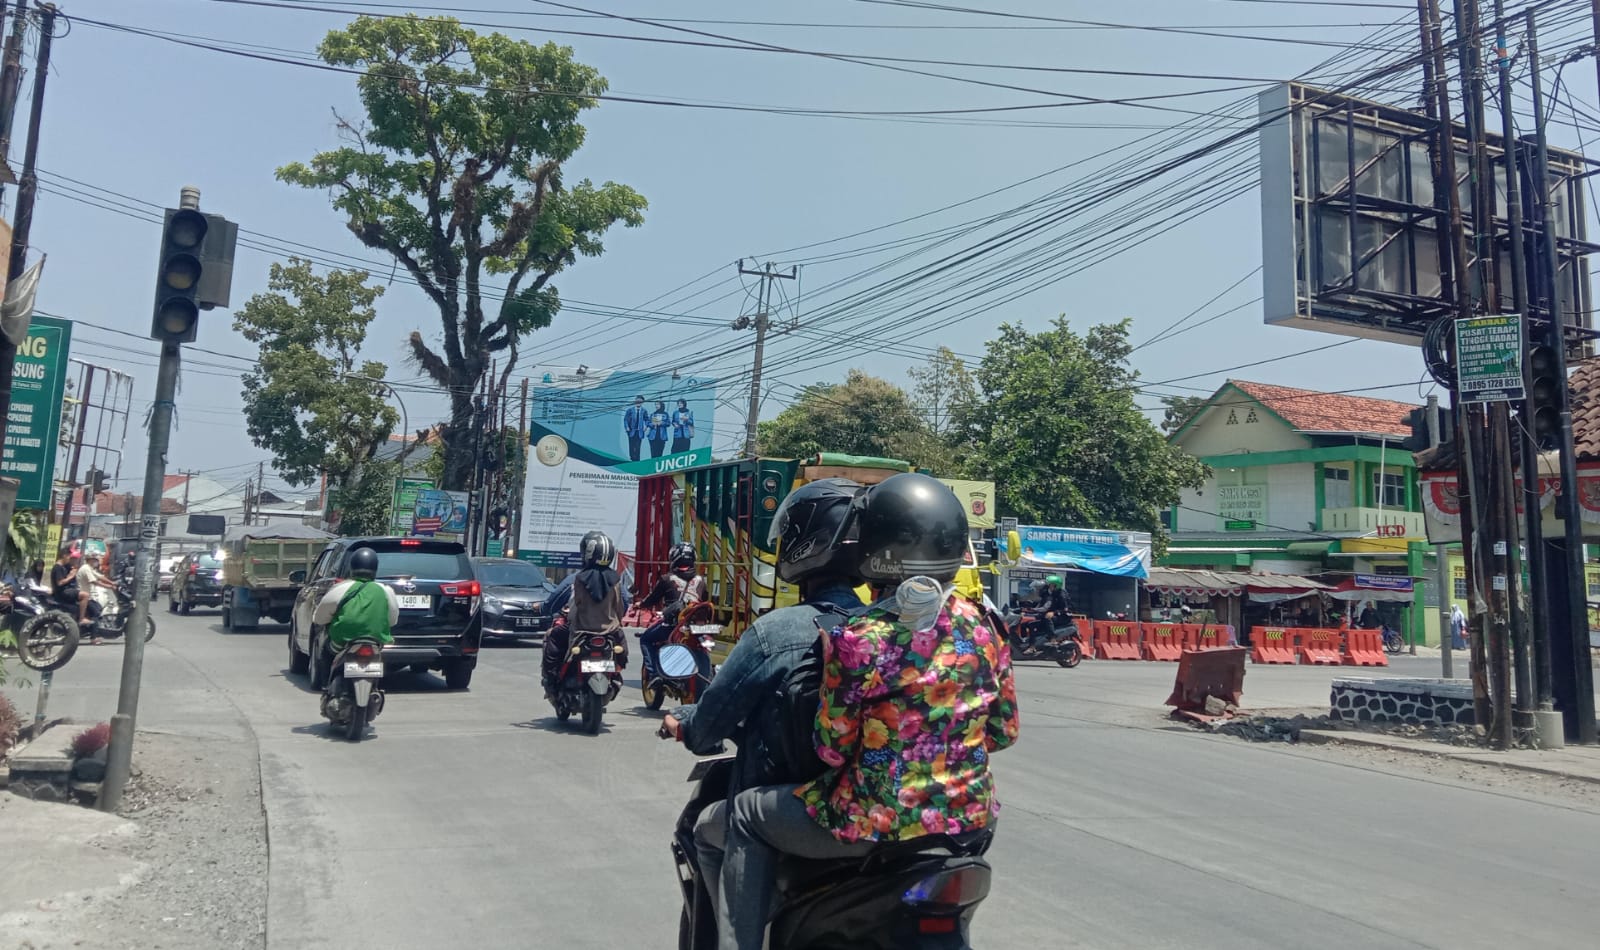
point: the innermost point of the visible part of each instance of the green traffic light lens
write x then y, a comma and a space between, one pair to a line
180, 272
177, 315
187, 230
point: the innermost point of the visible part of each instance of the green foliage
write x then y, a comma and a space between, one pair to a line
943, 388
864, 415
363, 504
1057, 429
311, 401
457, 172
1180, 409
514, 452
24, 540
10, 719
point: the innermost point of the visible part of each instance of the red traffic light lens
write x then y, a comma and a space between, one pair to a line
177, 316
187, 230
180, 272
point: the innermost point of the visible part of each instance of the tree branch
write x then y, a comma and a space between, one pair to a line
428, 360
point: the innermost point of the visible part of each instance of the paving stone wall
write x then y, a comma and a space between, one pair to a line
1414, 702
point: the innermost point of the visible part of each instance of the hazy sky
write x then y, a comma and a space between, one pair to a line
141, 116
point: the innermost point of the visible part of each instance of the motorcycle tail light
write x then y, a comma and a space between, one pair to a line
937, 925
956, 888
365, 651
599, 643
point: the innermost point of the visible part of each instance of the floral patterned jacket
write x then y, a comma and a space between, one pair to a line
906, 723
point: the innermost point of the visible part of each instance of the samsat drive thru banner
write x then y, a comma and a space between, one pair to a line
592, 434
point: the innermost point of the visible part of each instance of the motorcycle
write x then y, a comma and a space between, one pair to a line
588, 679
1393, 642
113, 621
46, 636
685, 658
1066, 647
353, 698
919, 894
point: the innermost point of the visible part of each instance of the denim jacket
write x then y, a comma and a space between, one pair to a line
738, 704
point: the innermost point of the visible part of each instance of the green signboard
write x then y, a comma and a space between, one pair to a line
494, 548
1239, 526
1489, 359
403, 514
34, 427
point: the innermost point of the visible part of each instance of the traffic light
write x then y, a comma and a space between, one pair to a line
1547, 393
195, 272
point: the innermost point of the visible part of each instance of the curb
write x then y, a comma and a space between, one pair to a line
1324, 737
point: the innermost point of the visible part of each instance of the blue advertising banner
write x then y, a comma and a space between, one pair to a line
1384, 582
1118, 553
593, 433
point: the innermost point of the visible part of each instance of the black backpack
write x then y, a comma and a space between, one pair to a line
797, 701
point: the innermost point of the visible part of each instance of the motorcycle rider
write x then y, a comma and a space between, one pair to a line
916, 694
64, 588
1049, 604
595, 606
741, 703
356, 609
680, 586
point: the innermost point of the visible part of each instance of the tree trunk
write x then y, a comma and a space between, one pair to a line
458, 440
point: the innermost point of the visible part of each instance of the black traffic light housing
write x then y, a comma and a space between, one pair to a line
1547, 393
195, 272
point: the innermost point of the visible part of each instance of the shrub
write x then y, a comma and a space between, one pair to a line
91, 740
10, 725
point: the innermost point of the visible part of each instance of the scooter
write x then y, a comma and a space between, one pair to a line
1393, 642
684, 668
588, 679
46, 636
912, 895
113, 621
353, 698
1066, 647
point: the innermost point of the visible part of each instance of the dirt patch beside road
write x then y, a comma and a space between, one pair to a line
200, 839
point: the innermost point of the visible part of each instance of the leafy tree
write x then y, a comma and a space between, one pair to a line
864, 415
311, 401
1180, 409
24, 537
363, 503
1057, 429
457, 172
942, 388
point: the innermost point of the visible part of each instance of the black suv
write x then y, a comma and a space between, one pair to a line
196, 582
439, 626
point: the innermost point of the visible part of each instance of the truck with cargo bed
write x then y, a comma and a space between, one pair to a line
263, 569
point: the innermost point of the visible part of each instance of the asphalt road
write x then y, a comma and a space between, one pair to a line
474, 818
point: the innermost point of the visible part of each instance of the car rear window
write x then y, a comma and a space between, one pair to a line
510, 574
429, 564
206, 561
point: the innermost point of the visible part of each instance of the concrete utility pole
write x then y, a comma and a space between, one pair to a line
768, 273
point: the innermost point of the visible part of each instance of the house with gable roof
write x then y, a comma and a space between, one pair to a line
1307, 483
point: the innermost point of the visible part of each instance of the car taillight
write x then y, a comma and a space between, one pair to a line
365, 651
194, 569
410, 543
464, 589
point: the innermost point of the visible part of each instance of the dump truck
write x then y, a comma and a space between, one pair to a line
725, 510
263, 569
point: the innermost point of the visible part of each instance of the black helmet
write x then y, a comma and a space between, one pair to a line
681, 557
908, 525
809, 530
597, 550
364, 564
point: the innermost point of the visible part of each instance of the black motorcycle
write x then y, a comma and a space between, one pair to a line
912, 895
1023, 625
46, 636
353, 698
588, 679
113, 621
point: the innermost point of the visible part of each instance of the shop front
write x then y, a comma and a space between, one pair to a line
1100, 570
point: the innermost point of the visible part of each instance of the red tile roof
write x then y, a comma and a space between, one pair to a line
1310, 411
1584, 381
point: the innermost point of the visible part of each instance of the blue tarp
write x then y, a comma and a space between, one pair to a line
1117, 553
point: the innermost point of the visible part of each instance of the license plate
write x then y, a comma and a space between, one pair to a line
414, 601
527, 621
362, 670
597, 666
706, 629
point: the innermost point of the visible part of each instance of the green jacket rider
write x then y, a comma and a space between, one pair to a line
360, 607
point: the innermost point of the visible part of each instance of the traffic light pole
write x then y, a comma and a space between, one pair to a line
119, 754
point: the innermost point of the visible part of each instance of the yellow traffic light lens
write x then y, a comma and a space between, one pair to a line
177, 315
187, 230
180, 272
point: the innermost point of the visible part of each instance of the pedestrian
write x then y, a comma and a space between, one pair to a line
1458, 628
659, 426
1370, 620
682, 427
636, 426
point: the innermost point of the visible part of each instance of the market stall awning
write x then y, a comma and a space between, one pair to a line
1262, 588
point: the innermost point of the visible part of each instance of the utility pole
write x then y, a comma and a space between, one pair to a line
261, 481
768, 273
1579, 707
1441, 556
22, 225
77, 454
